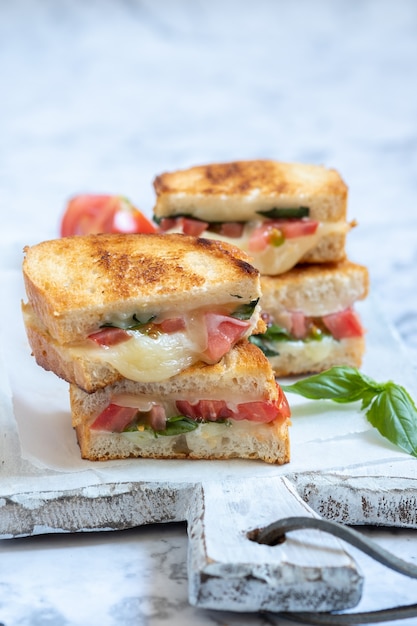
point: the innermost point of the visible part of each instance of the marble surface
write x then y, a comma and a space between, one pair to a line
101, 97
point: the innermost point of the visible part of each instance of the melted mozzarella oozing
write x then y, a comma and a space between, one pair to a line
279, 259
313, 351
146, 359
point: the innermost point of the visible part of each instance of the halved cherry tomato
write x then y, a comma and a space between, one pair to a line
223, 332
344, 324
114, 418
89, 213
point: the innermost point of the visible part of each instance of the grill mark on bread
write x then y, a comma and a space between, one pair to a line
75, 283
246, 177
235, 254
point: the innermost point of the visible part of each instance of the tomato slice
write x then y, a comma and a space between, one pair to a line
109, 336
231, 229
210, 410
265, 234
259, 411
298, 324
344, 324
114, 418
172, 325
193, 227
94, 213
223, 332
296, 228
167, 223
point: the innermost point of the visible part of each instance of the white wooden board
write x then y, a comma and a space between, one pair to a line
340, 466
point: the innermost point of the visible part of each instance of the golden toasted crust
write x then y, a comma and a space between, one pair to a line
235, 191
73, 283
315, 290
269, 443
89, 374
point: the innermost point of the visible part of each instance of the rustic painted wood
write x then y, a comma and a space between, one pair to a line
308, 571
338, 468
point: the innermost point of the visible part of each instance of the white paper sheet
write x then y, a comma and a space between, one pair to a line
324, 436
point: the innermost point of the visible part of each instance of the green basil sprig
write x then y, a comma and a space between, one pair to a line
177, 425
245, 311
133, 323
285, 213
388, 406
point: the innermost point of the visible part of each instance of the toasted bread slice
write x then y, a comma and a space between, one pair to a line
80, 288
315, 290
312, 323
237, 191
76, 284
247, 202
241, 378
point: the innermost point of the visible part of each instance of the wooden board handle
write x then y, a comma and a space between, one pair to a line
227, 570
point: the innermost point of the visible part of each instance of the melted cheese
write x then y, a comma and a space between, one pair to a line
211, 433
147, 359
276, 260
312, 351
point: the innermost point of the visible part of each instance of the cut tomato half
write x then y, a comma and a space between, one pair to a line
99, 213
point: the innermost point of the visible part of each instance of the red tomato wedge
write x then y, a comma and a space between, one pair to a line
110, 336
92, 213
344, 324
223, 332
264, 234
114, 418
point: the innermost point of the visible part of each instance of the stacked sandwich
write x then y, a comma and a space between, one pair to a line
151, 331
292, 221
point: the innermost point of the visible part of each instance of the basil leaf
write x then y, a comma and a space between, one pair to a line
133, 323
286, 213
277, 333
394, 414
245, 311
263, 344
340, 384
388, 406
177, 425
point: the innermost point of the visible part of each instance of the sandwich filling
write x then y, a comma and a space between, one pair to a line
291, 328
153, 348
276, 241
132, 415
